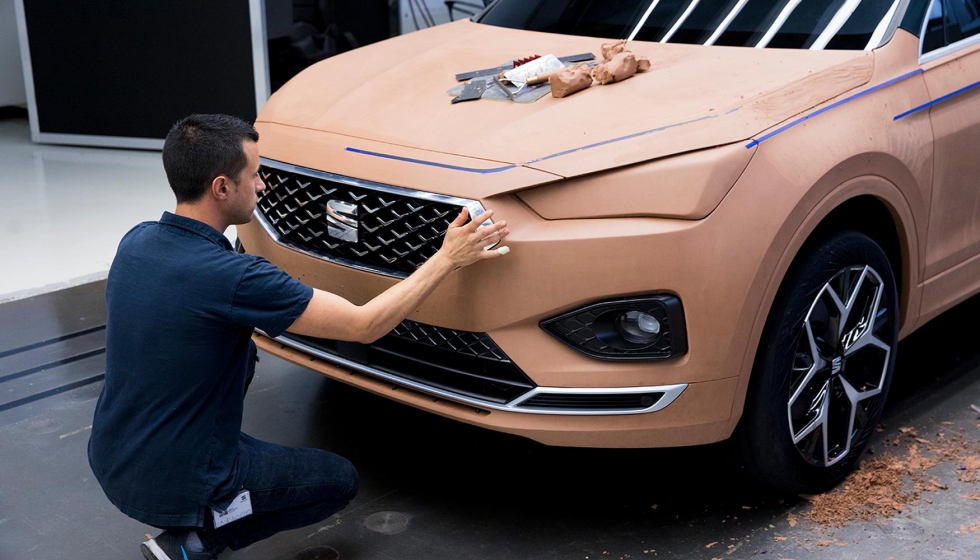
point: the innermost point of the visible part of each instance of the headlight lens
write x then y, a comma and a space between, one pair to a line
640, 328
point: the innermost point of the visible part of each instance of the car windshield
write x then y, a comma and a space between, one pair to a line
793, 24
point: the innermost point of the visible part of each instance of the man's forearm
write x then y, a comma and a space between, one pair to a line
331, 316
388, 309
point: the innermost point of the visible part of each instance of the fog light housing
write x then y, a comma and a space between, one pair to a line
640, 328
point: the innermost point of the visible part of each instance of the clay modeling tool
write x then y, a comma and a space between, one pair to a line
510, 66
525, 60
510, 94
472, 90
541, 78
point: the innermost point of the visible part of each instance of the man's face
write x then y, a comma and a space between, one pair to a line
246, 188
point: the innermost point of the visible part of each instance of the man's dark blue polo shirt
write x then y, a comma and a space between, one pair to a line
181, 309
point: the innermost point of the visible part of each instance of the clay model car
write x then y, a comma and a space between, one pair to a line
728, 245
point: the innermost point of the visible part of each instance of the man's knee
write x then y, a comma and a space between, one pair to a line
351, 479
340, 476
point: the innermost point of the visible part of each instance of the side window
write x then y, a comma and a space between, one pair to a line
962, 19
933, 33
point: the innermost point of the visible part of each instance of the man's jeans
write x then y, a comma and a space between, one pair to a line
290, 488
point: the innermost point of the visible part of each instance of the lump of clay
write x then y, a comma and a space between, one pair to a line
569, 80
609, 50
621, 67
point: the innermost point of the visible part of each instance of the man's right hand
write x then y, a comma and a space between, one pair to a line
331, 316
465, 244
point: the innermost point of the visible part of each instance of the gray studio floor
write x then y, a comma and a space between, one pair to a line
435, 489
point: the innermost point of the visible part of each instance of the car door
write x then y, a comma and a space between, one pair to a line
951, 64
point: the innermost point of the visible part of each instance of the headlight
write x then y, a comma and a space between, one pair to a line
641, 328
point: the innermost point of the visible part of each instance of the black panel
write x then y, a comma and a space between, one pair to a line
131, 69
466, 363
637, 401
912, 20
861, 25
703, 21
593, 331
805, 24
935, 29
661, 19
962, 19
750, 25
593, 18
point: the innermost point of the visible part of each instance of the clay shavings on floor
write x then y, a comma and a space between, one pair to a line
887, 484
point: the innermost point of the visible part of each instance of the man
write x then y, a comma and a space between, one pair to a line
166, 442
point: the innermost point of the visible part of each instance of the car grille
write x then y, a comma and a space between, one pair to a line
394, 233
461, 362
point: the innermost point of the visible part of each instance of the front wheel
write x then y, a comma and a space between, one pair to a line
824, 367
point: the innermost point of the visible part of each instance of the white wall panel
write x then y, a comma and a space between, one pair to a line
11, 71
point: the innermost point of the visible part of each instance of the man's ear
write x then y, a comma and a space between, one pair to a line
220, 187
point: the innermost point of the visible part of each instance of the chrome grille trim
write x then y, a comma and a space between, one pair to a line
670, 392
475, 208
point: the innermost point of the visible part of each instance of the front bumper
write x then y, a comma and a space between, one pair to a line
692, 418
591, 401
556, 266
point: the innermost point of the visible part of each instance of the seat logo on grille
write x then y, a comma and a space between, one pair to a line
342, 220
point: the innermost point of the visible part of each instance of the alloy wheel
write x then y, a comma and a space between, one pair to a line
840, 365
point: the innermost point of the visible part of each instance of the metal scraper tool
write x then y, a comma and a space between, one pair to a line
472, 90
491, 71
499, 84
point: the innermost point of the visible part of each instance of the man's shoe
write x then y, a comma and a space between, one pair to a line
173, 545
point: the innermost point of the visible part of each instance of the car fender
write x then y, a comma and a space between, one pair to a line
872, 174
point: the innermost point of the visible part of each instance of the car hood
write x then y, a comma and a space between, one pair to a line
395, 93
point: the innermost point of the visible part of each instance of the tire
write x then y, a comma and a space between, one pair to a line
829, 389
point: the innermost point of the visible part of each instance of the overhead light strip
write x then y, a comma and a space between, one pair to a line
726, 22
643, 19
778, 24
680, 21
838, 21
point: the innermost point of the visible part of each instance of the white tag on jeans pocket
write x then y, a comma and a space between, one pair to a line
239, 508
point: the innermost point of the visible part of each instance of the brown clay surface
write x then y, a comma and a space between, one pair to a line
718, 224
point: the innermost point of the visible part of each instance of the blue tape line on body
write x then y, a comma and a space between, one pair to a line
937, 100
432, 163
620, 139
552, 156
787, 126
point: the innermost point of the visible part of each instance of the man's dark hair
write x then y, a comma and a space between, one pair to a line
202, 147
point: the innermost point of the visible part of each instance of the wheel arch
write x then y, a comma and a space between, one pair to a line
881, 200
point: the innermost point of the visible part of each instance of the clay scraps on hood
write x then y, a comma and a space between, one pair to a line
619, 64
569, 80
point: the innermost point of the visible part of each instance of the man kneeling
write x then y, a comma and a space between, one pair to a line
166, 442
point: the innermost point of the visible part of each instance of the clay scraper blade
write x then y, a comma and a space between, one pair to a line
472, 90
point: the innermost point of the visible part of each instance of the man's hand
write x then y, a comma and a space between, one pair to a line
464, 243
331, 316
